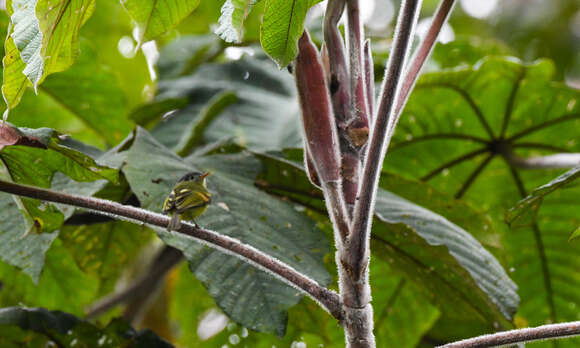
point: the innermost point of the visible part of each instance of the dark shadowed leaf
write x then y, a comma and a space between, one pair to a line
238, 209
430, 250
66, 330
265, 116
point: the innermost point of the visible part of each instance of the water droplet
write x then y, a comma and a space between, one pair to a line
409, 136
412, 119
512, 269
458, 122
244, 332
223, 206
445, 172
234, 339
166, 116
246, 75
571, 105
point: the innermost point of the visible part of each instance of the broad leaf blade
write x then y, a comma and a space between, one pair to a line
40, 43
57, 285
156, 17
455, 133
247, 295
488, 276
424, 246
282, 26
33, 157
265, 116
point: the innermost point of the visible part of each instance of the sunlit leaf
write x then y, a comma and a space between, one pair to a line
40, 42
458, 131
231, 22
282, 26
156, 17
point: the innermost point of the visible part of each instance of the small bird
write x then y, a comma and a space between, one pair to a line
188, 199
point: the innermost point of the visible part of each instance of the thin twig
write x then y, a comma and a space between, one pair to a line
168, 258
421, 55
328, 299
552, 331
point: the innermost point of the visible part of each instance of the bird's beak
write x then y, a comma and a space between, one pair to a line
204, 175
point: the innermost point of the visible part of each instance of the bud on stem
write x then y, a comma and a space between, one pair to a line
317, 115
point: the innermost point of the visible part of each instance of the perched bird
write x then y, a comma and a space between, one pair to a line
188, 199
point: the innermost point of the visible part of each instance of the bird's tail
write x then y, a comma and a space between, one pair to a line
175, 223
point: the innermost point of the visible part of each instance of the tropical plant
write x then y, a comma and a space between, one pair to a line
449, 199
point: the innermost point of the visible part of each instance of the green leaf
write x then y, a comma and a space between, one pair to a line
231, 22
265, 116
45, 43
532, 203
575, 234
59, 282
249, 296
33, 157
453, 252
184, 55
282, 26
66, 330
457, 132
103, 250
425, 247
156, 17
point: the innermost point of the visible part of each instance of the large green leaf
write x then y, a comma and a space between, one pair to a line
85, 101
42, 328
250, 296
40, 42
458, 132
104, 249
427, 248
33, 157
282, 26
156, 17
231, 22
265, 116
59, 283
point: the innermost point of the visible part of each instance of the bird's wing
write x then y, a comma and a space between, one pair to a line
187, 198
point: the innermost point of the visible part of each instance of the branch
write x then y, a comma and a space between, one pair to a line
421, 55
358, 253
358, 127
141, 290
328, 299
555, 331
560, 160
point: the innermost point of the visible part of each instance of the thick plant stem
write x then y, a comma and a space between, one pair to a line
328, 299
355, 256
504, 338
